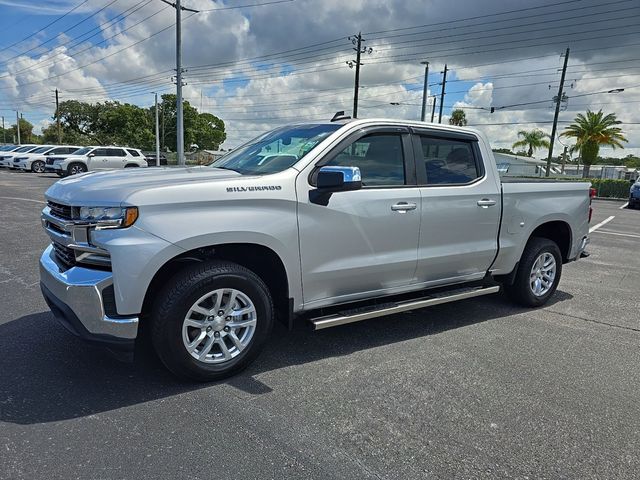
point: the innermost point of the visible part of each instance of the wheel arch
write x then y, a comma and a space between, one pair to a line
557, 231
260, 259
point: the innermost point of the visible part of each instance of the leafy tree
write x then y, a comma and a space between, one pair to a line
458, 117
204, 129
590, 132
26, 132
532, 139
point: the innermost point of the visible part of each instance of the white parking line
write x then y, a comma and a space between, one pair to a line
624, 206
601, 224
607, 232
23, 199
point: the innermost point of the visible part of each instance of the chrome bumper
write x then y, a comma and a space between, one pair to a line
76, 298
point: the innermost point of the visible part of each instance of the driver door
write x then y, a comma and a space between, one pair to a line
364, 242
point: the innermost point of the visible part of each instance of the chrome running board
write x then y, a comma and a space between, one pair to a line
365, 313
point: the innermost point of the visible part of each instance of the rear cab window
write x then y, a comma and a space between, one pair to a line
447, 161
133, 153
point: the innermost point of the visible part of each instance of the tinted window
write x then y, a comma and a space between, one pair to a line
379, 158
448, 161
133, 152
100, 152
41, 150
83, 151
116, 152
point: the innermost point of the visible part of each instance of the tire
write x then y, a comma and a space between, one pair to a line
522, 289
131, 165
37, 166
76, 168
173, 315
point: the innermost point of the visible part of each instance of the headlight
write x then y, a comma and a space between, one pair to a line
109, 217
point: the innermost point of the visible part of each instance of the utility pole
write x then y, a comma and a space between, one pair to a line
564, 157
179, 84
18, 126
4, 132
157, 133
357, 40
58, 119
433, 108
444, 83
555, 116
424, 91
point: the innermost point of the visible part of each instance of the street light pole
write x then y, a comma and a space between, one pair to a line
157, 133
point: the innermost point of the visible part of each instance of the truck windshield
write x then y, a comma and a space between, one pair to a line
276, 150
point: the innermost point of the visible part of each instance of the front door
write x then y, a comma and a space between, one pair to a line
460, 208
116, 158
366, 240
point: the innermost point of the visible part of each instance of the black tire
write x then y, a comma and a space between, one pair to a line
520, 291
131, 165
76, 168
174, 301
37, 166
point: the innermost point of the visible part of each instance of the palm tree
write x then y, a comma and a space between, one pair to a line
458, 118
590, 132
533, 139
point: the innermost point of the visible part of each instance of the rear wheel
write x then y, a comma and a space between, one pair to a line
211, 321
131, 165
538, 273
76, 168
37, 166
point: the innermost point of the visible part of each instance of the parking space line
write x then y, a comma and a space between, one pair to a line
23, 199
601, 224
619, 234
624, 206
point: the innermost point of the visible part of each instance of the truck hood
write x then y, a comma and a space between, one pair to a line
112, 187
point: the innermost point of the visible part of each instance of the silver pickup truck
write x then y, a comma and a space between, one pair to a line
326, 222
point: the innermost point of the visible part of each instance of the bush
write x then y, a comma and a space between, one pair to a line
606, 187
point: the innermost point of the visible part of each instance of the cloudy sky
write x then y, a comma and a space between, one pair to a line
261, 63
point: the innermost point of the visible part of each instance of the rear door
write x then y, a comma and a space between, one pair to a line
460, 208
361, 241
116, 158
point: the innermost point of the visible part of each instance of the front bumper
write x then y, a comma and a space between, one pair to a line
56, 168
77, 299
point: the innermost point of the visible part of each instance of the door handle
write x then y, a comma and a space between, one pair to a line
486, 203
403, 207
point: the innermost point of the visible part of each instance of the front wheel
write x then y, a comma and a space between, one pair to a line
211, 321
37, 166
538, 273
76, 168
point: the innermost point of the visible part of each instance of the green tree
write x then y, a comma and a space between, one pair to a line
26, 132
532, 139
204, 129
458, 117
590, 132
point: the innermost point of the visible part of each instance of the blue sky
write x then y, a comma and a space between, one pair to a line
263, 66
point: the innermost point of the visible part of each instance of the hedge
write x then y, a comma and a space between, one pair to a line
609, 188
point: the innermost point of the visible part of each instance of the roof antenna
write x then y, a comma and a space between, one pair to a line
340, 116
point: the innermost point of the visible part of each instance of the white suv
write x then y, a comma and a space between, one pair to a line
95, 158
35, 160
6, 158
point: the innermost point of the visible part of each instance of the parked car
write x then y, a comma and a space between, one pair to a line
349, 221
6, 158
634, 194
150, 157
35, 160
95, 158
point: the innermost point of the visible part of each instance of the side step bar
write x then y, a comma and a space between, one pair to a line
357, 315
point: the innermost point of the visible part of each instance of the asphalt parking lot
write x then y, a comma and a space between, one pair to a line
477, 389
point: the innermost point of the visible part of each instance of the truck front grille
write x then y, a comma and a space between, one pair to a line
59, 210
65, 255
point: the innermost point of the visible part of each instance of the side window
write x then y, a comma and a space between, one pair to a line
379, 157
448, 161
133, 152
116, 152
99, 152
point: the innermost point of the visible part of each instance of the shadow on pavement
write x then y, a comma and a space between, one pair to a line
47, 375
